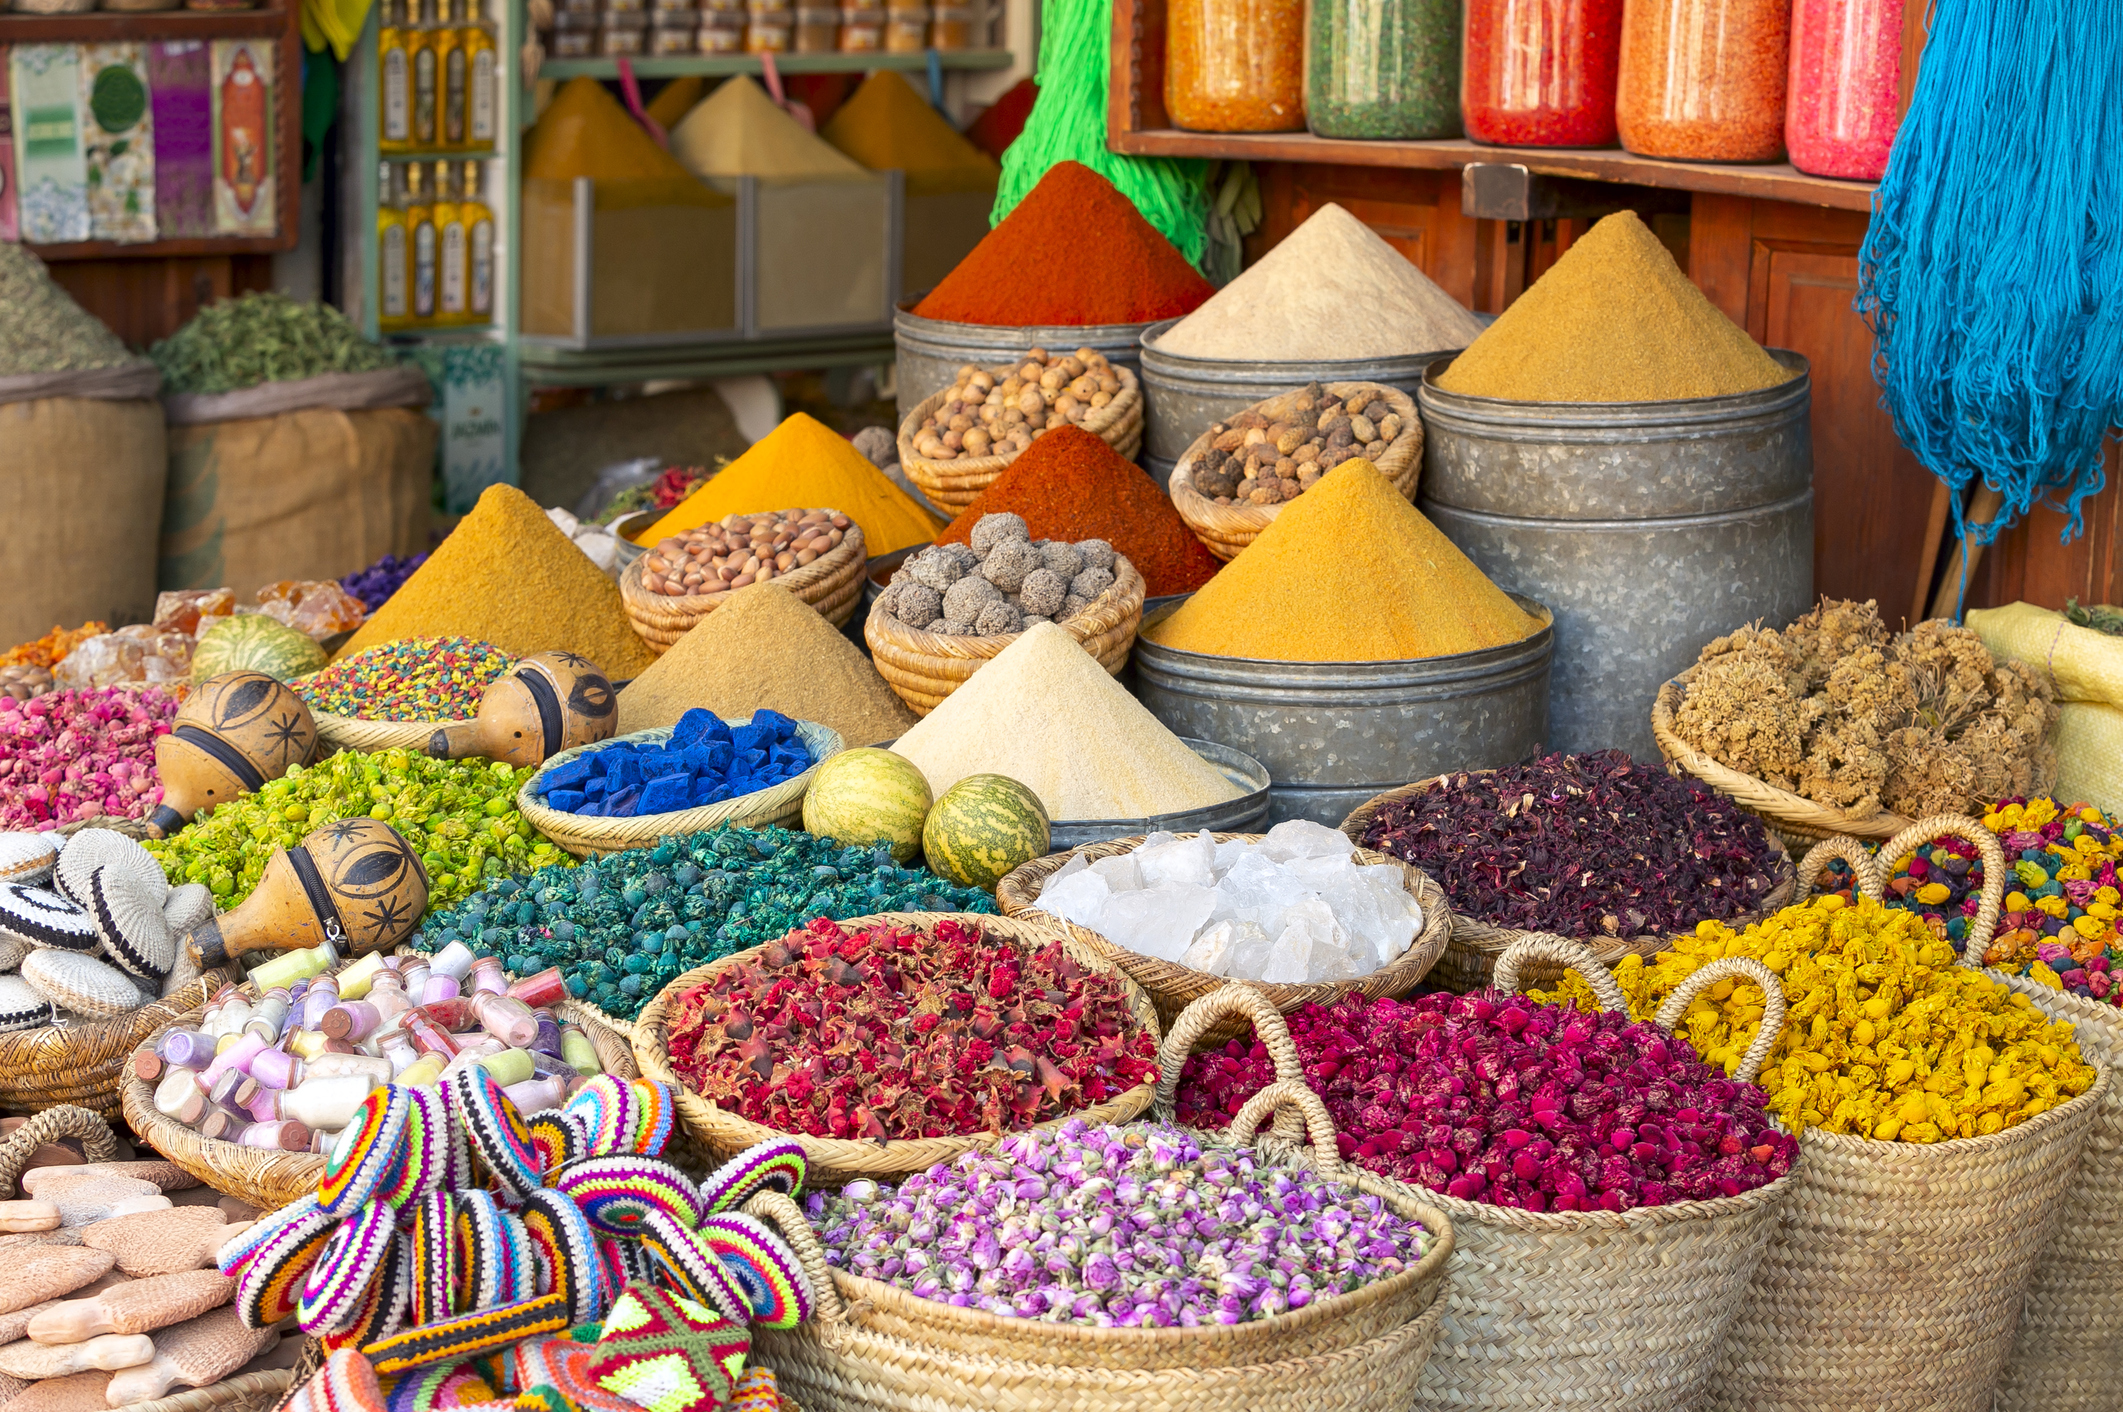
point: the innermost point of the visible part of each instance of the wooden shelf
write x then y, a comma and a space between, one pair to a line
728, 65
1782, 182
106, 26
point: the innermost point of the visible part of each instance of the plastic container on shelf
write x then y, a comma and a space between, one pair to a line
862, 31
953, 27
817, 31
1383, 68
906, 31
720, 32
768, 32
1236, 65
574, 35
1541, 75
1703, 80
623, 33
673, 32
1845, 95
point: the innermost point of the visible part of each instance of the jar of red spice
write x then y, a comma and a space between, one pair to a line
1236, 65
1846, 86
1541, 73
1703, 80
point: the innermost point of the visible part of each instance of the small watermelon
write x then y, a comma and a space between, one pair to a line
984, 826
861, 797
253, 642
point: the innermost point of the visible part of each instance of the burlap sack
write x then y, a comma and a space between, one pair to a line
2086, 668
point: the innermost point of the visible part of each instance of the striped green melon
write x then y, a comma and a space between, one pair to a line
984, 826
253, 642
861, 797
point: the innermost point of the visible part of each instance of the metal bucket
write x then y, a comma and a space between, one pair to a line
1183, 395
1649, 527
1241, 815
1332, 734
931, 350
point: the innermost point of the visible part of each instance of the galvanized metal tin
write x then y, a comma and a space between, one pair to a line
1648, 527
1241, 815
1332, 734
1183, 395
931, 350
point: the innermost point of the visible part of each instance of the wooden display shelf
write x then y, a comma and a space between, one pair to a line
107, 26
729, 65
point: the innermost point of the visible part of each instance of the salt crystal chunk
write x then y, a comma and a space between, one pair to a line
1076, 864
1188, 860
1080, 898
1301, 838
1251, 947
1213, 949
1157, 921
1122, 872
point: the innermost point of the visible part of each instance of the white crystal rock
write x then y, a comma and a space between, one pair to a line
1301, 838
1187, 860
1211, 951
1157, 921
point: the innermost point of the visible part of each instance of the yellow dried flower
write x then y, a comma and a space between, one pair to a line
1885, 1035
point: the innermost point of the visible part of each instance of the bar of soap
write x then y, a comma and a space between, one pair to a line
16, 1325
163, 1176
16, 1216
136, 1307
77, 1392
84, 1201
43, 1272
194, 1353
160, 1242
56, 1360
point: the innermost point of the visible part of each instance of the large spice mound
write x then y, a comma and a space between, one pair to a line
1347, 572
508, 576
1614, 320
1838, 710
1332, 290
804, 464
1044, 713
888, 125
885, 1033
767, 649
1074, 251
1583, 846
263, 337
584, 132
1070, 485
737, 131
42, 330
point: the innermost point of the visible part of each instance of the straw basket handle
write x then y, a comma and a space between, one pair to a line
61, 1120
1863, 866
1274, 1099
781, 1212
1743, 968
1237, 1001
1575, 955
1991, 903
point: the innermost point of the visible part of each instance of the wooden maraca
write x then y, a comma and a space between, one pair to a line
546, 703
236, 732
356, 883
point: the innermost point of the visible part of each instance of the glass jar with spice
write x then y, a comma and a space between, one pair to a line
1703, 80
861, 31
1383, 68
1235, 65
1846, 86
1541, 73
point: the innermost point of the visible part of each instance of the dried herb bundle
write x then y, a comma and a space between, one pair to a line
256, 338
2099, 616
42, 330
1583, 846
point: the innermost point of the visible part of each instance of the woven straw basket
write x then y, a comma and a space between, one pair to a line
1174, 987
954, 485
337, 733
1897, 1276
831, 583
1226, 529
1597, 1309
832, 1161
870, 1347
583, 836
1470, 957
85, 1063
58, 1121
924, 667
244, 1392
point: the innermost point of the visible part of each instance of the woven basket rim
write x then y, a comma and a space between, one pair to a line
954, 474
354, 723
678, 613
1108, 611
238, 1386
703, 1115
1203, 514
1982, 1145
120, 1035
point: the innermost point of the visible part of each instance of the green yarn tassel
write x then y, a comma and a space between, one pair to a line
1068, 123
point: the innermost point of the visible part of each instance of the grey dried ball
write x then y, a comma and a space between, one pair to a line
936, 569
878, 446
1031, 618
1062, 558
888, 601
992, 530
941, 627
919, 603
962, 553
1091, 583
964, 599
1043, 592
1097, 553
997, 619
1071, 606
1008, 563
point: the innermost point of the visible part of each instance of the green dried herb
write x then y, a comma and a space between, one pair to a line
42, 330
2100, 617
258, 338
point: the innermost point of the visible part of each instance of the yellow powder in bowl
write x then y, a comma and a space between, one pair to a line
804, 463
1614, 320
1347, 572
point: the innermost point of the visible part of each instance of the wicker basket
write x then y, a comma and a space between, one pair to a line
1470, 957
269, 1180
337, 733
832, 1161
85, 1063
241, 1392
1226, 529
1174, 987
924, 668
953, 485
777, 804
134, 829
832, 584
61, 1120
1897, 1277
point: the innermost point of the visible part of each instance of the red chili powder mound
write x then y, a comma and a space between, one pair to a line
1070, 485
1075, 251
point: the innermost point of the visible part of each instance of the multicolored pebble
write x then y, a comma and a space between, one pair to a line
412, 679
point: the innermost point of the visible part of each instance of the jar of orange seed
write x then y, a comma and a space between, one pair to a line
1236, 65
1703, 80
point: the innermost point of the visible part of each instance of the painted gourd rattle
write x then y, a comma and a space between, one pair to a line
237, 731
546, 703
356, 884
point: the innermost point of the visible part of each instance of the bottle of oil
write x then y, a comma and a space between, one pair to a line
479, 232
453, 266
450, 63
427, 78
484, 117
392, 66
393, 306
421, 261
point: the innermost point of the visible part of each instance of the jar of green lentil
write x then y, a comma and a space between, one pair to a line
1383, 68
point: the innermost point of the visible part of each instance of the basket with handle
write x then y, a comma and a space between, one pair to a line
1470, 956
832, 1161
1174, 987
1897, 1276
1226, 529
873, 1347
56, 1122
831, 584
85, 1063
957, 483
